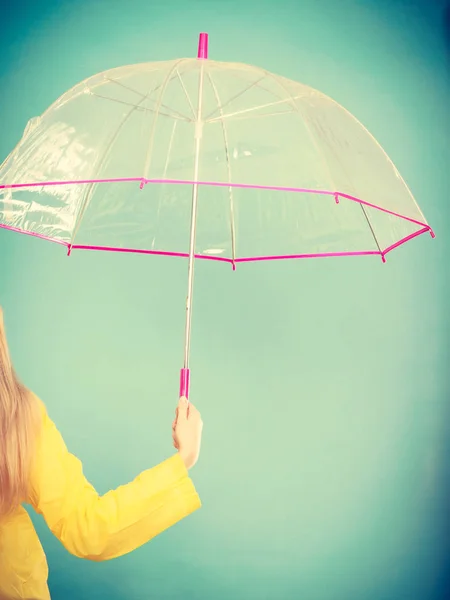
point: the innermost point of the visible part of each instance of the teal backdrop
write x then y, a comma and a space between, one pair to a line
323, 384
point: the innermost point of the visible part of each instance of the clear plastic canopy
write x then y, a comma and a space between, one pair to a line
284, 171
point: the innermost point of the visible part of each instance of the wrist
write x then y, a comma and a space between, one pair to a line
186, 459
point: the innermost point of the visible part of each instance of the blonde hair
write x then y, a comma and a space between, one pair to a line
19, 421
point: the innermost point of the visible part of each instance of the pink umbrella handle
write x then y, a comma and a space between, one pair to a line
184, 383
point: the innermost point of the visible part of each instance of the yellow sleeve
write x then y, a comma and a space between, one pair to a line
104, 527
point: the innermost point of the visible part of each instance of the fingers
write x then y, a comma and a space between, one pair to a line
174, 426
185, 409
182, 409
194, 413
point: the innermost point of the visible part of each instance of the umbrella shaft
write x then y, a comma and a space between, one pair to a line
198, 135
187, 334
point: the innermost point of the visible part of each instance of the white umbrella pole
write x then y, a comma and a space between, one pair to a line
184, 377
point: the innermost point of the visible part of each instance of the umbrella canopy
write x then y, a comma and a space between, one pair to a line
206, 159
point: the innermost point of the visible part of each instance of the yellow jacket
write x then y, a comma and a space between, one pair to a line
89, 526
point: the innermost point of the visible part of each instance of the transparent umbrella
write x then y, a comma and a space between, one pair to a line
205, 160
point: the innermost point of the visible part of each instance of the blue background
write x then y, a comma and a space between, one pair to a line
323, 385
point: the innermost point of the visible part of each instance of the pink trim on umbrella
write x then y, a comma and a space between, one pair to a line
409, 237
143, 181
32, 233
230, 260
222, 258
154, 252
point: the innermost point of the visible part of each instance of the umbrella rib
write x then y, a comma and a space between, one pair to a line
314, 141
166, 166
387, 157
261, 87
186, 94
145, 108
249, 87
227, 154
248, 110
317, 146
163, 86
172, 135
126, 87
89, 191
371, 228
271, 114
297, 110
304, 121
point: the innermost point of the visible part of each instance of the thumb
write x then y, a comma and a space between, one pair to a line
183, 408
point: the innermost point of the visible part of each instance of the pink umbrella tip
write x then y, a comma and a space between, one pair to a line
203, 46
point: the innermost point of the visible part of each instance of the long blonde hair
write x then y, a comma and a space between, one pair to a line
19, 421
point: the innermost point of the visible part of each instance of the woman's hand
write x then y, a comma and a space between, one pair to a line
187, 432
